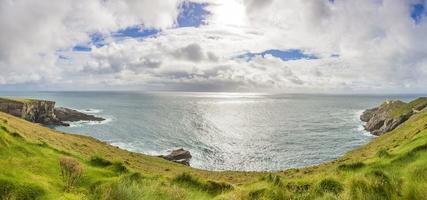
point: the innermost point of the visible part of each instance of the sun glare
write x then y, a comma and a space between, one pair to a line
229, 12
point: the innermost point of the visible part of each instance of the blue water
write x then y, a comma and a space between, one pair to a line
224, 131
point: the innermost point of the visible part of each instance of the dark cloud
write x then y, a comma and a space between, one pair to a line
192, 52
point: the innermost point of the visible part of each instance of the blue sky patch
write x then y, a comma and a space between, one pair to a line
135, 32
97, 39
63, 57
418, 12
291, 54
192, 14
81, 48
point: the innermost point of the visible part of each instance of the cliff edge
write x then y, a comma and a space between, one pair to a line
42, 112
391, 114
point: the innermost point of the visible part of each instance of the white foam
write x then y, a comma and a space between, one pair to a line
361, 126
87, 122
90, 110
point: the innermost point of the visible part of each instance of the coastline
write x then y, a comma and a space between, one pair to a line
359, 164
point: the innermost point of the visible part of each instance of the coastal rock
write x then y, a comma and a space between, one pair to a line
179, 156
43, 112
390, 115
70, 115
37, 111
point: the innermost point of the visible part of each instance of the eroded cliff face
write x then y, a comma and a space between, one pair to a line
390, 115
37, 111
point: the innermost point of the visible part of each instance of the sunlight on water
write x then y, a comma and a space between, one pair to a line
225, 131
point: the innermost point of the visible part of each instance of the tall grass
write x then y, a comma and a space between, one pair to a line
71, 172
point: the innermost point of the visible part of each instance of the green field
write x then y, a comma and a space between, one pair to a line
392, 166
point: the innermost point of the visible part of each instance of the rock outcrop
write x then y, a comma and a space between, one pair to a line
390, 115
37, 111
42, 111
180, 156
70, 115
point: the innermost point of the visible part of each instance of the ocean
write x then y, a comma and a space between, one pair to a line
225, 131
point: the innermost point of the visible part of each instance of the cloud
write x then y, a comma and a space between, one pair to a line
380, 46
192, 52
32, 32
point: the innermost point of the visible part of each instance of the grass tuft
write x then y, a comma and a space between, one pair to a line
383, 154
298, 187
120, 167
212, 187
12, 190
99, 161
329, 186
351, 166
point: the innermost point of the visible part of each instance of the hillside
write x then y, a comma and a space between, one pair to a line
393, 166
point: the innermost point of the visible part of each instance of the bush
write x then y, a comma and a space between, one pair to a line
211, 187
374, 185
383, 153
330, 186
381, 184
11, 190
120, 167
99, 161
275, 180
351, 166
71, 172
298, 187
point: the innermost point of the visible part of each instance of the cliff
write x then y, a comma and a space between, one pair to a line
37, 111
43, 112
391, 166
391, 114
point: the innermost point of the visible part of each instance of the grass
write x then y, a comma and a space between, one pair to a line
393, 166
399, 108
20, 100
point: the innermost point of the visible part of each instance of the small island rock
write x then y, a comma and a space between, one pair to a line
179, 156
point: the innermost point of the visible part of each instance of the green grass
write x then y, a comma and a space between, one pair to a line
20, 100
398, 108
393, 166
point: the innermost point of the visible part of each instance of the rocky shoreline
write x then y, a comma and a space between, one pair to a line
43, 112
390, 115
180, 156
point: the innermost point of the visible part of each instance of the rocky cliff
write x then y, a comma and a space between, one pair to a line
390, 115
37, 111
70, 115
42, 111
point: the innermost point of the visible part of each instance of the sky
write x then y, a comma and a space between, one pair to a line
282, 46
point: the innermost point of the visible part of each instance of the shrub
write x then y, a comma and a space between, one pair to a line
99, 161
351, 166
71, 172
359, 189
275, 180
6, 189
256, 194
383, 153
420, 148
211, 187
120, 167
374, 185
298, 187
419, 173
11, 190
126, 189
4, 129
330, 186
381, 184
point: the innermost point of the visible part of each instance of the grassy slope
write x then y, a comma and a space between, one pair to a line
393, 166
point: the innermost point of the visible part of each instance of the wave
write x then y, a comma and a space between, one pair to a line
361, 126
90, 110
86, 122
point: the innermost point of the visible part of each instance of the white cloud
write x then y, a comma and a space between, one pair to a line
379, 45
